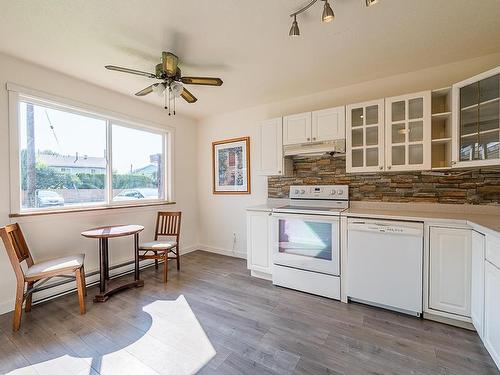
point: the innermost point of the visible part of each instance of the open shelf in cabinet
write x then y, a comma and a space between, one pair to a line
441, 131
441, 100
441, 154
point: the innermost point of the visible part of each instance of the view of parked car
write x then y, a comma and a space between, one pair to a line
132, 194
47, 198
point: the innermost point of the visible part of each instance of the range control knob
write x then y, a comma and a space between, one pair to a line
302, 191
333, 192
296, 191
340, 192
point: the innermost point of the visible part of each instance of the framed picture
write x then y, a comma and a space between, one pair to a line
231, 166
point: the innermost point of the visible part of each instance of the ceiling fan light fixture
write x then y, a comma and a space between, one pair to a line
177, 89
159, 88
369, 3
328, 14
294, 30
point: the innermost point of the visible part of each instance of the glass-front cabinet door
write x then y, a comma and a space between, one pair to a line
365, 136
477, 123
408, 132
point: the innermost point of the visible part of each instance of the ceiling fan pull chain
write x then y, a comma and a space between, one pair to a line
165, 99
169, 100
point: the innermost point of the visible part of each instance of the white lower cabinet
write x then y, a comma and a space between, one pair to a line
258, 246
477, 282
450, 270
492, 311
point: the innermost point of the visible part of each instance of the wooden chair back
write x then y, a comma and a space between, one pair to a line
168, 224
16, 247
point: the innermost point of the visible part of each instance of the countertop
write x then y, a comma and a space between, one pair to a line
481, 218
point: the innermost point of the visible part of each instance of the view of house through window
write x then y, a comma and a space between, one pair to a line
137, 164
63, 160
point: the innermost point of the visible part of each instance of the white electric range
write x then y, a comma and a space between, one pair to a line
306, 239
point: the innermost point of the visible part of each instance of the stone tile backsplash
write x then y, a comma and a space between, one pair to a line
457, 187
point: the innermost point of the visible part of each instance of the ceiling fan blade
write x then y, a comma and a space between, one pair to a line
187, 96
147, 90
131, 71
207, 81
169, 61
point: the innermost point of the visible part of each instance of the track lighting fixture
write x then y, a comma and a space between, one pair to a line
326, 17
294, 30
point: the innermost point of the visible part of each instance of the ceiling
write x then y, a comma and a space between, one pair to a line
246, 43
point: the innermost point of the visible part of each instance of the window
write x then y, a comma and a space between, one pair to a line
74, 158
137, 164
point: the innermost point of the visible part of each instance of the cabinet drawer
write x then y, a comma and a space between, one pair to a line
493, 250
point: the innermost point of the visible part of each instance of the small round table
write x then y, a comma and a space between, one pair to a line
103, 234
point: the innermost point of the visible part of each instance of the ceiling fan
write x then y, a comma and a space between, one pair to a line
171, 86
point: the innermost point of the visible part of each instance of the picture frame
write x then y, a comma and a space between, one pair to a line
231, 166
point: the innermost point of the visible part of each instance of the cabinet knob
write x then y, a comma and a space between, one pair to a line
279, 172
453, 162
380, 167
314, 138
308, 139
388, 167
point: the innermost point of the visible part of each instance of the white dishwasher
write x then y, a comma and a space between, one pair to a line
384, 264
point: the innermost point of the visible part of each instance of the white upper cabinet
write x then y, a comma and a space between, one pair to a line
408, 132
325, 125
365, 136
328, 124
476, 120
297, 128
450, 270
271, 147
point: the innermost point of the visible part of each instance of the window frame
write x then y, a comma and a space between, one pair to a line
16, 94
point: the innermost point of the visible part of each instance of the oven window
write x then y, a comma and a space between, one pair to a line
306, 238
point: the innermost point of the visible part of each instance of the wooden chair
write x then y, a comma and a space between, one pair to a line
168, 224
37, 274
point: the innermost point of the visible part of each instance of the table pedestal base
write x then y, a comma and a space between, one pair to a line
102, 297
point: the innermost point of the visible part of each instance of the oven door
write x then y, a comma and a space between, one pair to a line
307, 242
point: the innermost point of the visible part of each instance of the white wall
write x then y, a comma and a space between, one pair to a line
222, 215
56, 235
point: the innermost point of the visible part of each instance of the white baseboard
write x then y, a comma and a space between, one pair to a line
7, 306
70, 287
218, 250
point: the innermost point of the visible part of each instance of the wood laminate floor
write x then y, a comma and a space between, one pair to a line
213, 318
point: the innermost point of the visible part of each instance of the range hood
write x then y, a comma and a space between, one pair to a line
334, 148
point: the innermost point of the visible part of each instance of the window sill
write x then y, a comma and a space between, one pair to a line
87, 209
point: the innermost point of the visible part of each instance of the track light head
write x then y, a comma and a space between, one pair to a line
294, 30
369, 3
328, 14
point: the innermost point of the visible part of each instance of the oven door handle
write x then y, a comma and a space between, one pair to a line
322, 218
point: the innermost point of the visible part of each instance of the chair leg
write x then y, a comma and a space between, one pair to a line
156, 260
19, 306
29, 298
178, 257
165, 269
84, 282
79, 286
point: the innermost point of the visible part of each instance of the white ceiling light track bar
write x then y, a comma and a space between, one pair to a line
326, 17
